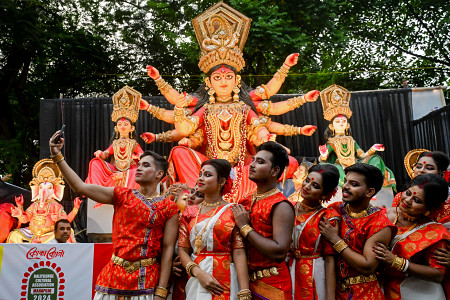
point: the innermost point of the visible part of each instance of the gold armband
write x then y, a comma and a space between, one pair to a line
255, 124
157, 112
265, 107
198, 135
57, 158
161, 292
189, 268
75, 210
165, 137
340, 246
295, 102
244, 294
245, 230
282, 73
290, 130
262, 92
399, 263
371, 151
162, 85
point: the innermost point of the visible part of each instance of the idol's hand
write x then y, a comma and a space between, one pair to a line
328, 231
442, 256
19, 200
208, 282
182, 100
55, 148
152, 72
98, 154
16, 212
6, 177
241, 216
308, 130
312, 96
383, 254
291, 60
148, 137
378, 147
185, 142
77, 202
143, 105
323, 150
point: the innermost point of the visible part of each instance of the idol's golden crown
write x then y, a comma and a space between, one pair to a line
411, 159
221, 32
126, 104
46, 170
335, 101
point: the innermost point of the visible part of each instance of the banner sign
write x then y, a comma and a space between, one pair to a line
47, 271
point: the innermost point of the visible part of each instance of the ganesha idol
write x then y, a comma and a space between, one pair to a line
124, 150
341, 149
224, 118
47, 189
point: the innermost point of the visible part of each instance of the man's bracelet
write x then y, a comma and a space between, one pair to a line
245, 230
340, 246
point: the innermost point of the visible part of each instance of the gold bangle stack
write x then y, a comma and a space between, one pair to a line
189, 268
399, 263
245, 230
57, 158
162, 85
156, 111
244, 294
282, 73
340, 246
290, 130
161, 292
165, 137
179, 114
75, 210
296, 102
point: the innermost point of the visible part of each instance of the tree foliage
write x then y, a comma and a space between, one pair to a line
94, 47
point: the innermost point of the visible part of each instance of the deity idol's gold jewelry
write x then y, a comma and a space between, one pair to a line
157, 112
57, 158
335, 101
179, 114
162, 85
161, 292
262, 92
282, 72
340, 246
237, 89
126, 104
245, 230
296, 102
265, 107
75, 210
223, 99
290, 130
165, 137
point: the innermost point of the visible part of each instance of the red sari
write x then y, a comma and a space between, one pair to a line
307, 247
138, 229
355, 232
215, 257
418, 247
274, 287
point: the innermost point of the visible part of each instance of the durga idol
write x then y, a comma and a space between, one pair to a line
225, 116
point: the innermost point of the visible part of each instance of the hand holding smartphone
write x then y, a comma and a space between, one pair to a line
61, 132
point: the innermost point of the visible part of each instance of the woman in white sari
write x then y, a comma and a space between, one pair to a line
210, 245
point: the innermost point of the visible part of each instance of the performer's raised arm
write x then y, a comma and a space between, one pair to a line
97, 193
177, 99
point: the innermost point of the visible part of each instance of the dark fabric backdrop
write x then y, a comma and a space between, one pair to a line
378, 117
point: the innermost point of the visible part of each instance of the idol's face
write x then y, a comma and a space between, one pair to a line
124, 127
299, 177
340, 123
413, 201
355, 189
207, 180
223, 81
195, 197
261, 168
425, 165
312, 188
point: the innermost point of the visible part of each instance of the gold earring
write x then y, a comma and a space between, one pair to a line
427, 213
211, 92
237, 89
117, 132
331, 128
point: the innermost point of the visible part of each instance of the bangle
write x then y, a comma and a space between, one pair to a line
179, 114
406, 266
75, 210
161, 292
244, 294
189, 268
290, 130
282, 73
245, 230
340, 246
399, 263
57, 158
156, 111
296, 102
162, 85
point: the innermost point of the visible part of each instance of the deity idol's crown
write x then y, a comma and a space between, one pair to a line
46, 170
126, 104
411, 159
221, 32
335, 101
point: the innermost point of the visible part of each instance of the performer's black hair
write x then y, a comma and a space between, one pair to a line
279, 157
160, 162
441, 159
244, 96
222, 167
330, 177
435, 189
372, 175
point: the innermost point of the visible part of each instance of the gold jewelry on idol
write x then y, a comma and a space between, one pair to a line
198, 237
161, 292
340, 246
236, 89
126, 104
411, 159
162, 85
282, 73
245, 230
335, 101
221, 32
224, 99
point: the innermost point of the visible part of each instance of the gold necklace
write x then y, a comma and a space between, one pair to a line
223, 99
357, 215
309, 208
256, 197
409, 228
198, 237
211, 204
408, 217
